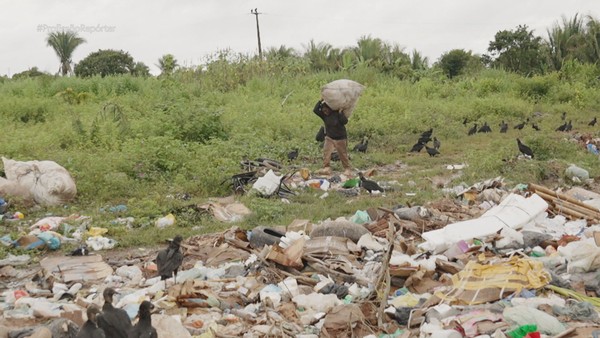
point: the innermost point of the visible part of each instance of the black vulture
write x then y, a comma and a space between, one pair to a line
320, 137
292, 155
503, 127
432, 151
592, 122
563, 116
427, 134
485, 128
369, 185
143, 328
417, 147
424, 139
521, 125
535, 126
465, 121
362, 146
525, 150
569, 126
562, 127
473, 130
90, 328
115, 322
436, 143
169, 260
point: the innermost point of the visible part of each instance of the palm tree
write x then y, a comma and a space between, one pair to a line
167, 64
318, 55
567, 42
64, 44
593, 39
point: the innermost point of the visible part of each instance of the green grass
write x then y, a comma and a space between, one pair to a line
136, 141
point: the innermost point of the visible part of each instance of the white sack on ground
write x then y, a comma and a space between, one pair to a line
342, 95
514, 211
46, 181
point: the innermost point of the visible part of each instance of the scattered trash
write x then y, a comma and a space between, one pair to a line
486, 262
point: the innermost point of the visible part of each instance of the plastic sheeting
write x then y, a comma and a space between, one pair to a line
514, 212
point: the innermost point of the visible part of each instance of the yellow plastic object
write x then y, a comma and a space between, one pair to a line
96, 231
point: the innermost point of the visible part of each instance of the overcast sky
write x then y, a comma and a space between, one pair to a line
193, 29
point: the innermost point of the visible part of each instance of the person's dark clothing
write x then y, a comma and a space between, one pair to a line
335, 122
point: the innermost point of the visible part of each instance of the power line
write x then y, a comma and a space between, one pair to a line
256, 13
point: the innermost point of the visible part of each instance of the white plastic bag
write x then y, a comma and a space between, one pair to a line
342, 95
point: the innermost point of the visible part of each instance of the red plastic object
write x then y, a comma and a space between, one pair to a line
533, 335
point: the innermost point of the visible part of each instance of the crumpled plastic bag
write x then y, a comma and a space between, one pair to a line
98, 243
582, 256
524, 315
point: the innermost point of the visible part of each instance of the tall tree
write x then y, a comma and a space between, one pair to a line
518, 51
458, 61
64, 44
167, 64
593, 39
105, 62
567, 42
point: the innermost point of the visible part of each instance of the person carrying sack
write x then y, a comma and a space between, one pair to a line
336, 137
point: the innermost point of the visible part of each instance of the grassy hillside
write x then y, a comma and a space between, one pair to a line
141, 141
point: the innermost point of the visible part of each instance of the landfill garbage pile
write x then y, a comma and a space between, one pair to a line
487, 262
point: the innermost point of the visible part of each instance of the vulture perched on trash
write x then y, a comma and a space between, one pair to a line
114, 322
169, 260
90, 328
143, 328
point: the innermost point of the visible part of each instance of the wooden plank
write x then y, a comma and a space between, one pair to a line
77, 268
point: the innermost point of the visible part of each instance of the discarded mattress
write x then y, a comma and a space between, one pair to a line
514, 212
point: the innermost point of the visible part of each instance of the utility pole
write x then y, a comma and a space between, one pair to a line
256, 13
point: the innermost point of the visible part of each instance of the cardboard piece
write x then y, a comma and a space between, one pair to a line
77, 268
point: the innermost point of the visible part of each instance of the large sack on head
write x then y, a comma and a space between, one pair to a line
342, 95
48, 182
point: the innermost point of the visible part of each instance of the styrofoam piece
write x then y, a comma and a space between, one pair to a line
514, 211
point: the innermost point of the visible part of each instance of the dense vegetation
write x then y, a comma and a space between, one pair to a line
143, 141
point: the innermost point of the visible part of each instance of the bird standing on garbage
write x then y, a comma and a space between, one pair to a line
169, 260
115, 322
525, 150
90, 328
369, 185
143, 328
